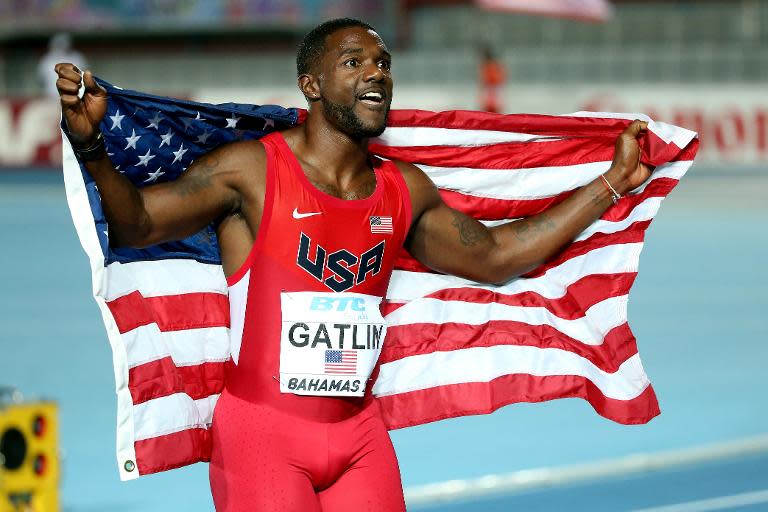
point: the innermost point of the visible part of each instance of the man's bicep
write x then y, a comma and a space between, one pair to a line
208, 189
449, 241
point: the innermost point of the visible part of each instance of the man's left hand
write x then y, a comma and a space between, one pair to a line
627, 172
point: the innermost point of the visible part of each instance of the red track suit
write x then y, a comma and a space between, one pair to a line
296, 427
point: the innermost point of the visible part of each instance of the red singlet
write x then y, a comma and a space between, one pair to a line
276, 450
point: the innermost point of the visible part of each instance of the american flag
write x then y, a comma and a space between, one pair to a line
341, 362
381, 224
453, 347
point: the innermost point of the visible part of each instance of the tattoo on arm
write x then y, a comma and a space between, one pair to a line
200, 179
526, 228
470, 231
596, 200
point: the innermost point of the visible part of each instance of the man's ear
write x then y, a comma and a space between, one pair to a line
309, 87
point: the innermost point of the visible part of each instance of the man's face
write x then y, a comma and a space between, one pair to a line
355, 82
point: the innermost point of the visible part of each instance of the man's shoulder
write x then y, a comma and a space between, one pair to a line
422, 190
241, 154
413, 175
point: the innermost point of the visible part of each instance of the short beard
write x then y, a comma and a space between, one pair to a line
344, 118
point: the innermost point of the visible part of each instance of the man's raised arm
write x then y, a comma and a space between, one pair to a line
210, 188
449, 241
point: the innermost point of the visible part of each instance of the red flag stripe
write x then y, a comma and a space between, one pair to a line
162, 378
417, 339
174, 450
442, 402
506, 156
635, 233
579, 296
170, 312
537, 124
657, 152
488, 208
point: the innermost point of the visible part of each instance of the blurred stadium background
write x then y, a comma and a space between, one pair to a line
699, 305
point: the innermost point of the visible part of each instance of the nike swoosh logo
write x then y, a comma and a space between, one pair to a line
297, 215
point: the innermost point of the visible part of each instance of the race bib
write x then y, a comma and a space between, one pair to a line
329, 342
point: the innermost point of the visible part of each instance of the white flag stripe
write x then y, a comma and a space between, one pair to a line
619, 258
643, 211
674, 170
680, 137
590, 329
483, 364
163, 277
428, 136
238, 301
407, 137
147, 343
516, 184
172, 413
533, 182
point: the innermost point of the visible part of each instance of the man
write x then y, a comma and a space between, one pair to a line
309, 226
492, 78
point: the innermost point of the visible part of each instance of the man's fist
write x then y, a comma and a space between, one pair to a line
627, 172
81, 115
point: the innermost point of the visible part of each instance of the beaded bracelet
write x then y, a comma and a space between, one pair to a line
94, 152
615, 196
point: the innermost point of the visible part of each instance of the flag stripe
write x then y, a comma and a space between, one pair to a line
427, 405
509, 156
483, 364
163, 377
534, 124
537, 183
617, 346
590, 328
163, 277
160, 416
187, 347
528, 183
492, 208
428, 136
580, 295
635, 233
170, 312
614, 259
170, 451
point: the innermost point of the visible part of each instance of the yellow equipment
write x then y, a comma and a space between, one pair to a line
29, 458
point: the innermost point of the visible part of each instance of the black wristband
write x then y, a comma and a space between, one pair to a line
95, 151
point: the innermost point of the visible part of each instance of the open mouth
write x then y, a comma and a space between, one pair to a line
371, 98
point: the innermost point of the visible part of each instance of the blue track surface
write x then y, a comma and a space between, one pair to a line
653, 489
698, 310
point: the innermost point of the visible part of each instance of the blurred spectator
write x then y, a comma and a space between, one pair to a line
491, 81
59, 50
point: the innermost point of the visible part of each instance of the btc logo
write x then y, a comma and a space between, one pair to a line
341, 264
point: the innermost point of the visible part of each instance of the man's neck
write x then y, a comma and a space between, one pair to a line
329, 151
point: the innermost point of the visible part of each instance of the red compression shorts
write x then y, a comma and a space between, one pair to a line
267, 460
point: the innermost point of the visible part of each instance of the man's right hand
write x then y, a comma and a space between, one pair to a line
81, 115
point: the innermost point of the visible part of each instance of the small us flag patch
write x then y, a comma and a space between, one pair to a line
341, 362
381, 224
